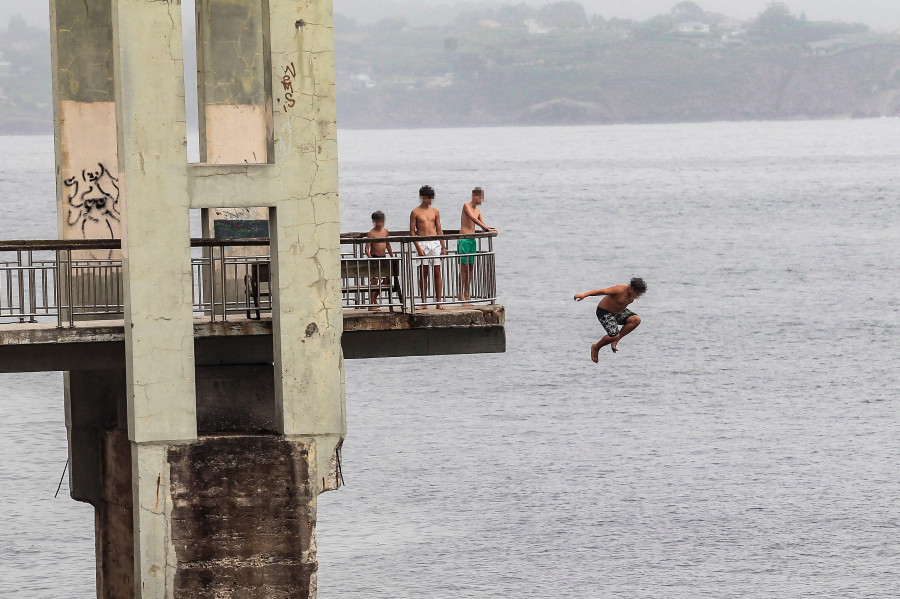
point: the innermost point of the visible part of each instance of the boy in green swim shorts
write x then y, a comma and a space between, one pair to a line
467, 248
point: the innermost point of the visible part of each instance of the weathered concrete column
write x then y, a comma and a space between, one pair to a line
307, 319
157, 270
85, 123
233, 79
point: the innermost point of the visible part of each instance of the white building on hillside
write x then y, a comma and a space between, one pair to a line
693, 27
536, 28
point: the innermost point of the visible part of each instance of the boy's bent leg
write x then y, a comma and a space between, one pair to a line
595, 348
630, 325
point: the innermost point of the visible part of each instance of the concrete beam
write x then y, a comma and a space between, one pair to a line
101, 345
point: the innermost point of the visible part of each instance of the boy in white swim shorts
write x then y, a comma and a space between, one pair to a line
425, 221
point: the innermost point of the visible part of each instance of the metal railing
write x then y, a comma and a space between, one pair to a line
59, 279
410, 280
70, 281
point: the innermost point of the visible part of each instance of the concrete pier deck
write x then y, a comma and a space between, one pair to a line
99, 345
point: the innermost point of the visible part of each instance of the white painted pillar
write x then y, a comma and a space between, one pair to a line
156, 253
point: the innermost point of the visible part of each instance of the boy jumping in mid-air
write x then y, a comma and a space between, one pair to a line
377, 249
613, 311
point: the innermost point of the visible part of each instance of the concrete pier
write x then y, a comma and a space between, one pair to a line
202, 436
211, 512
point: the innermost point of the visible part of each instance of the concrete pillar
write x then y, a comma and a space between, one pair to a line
89, 206
307, 318
95, 404
157, 271
235, 127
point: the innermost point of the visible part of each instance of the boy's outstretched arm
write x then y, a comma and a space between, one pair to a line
593, 293
475, 219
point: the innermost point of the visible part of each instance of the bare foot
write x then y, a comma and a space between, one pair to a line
468, 304
374, 309
441, 307
595, 354
613, 347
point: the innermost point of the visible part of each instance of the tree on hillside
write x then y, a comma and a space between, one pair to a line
776, 17
655, 27
778, 24
514, 14
688, 11
564, 15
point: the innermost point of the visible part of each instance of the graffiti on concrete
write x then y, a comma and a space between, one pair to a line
93, 203
287, 82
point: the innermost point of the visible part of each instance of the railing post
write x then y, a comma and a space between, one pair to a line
224, 284
410, 276
32, 292
20, 275
492, 271
212, 283
70, 274
58, 291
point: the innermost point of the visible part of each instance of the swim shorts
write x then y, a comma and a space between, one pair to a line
612, 321
465, 248
432, 254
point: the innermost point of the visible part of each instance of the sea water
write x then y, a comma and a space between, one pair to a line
744, 442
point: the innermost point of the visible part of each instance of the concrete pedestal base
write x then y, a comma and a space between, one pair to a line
242, 519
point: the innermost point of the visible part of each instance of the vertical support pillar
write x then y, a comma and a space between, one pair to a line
305, 228
232, 82
158, 283
85, 125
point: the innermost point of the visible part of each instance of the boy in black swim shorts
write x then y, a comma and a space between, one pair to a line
613, 312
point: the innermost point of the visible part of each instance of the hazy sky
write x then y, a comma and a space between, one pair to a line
880, 14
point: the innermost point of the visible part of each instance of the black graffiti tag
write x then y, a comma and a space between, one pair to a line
93, 203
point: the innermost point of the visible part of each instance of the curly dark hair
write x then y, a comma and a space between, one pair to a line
639, 285
426, 191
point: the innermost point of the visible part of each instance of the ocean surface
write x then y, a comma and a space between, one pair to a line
745, 441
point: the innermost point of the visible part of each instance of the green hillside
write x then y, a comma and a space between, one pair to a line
555, 64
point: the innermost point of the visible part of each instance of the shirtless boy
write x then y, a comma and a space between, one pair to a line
613, 311
425, 221
466, 248
377, 249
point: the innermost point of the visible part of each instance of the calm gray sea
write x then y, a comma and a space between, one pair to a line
744, 442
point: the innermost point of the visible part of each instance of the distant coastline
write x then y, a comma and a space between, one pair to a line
342, 127
523, 65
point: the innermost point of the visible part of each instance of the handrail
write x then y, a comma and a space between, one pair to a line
60, 244
357, 238
116, 244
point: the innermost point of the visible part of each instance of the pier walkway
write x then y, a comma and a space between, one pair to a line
62, 304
